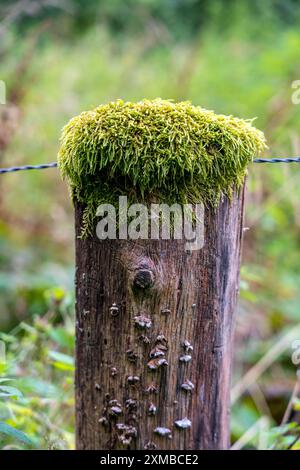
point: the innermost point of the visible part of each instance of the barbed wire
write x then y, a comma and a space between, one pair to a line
45, 166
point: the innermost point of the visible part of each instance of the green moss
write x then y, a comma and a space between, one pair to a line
155, 150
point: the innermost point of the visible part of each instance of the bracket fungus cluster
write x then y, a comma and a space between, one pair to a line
154, 150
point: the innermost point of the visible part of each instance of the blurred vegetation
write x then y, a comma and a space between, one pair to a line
60, 58
36, 395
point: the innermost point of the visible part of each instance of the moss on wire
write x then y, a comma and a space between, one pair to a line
154, 151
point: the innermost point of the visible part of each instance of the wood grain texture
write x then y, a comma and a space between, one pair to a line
142, 308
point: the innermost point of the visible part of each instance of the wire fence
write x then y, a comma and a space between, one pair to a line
45, 166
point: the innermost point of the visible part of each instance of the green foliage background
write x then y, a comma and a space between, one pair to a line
235, 57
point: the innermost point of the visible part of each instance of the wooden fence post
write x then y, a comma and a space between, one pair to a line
149, 302
154, 322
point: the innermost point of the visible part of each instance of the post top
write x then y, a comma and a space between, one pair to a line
155, 150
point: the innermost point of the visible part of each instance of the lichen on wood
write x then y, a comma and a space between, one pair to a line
152, 151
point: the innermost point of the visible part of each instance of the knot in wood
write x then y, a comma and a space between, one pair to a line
144, 278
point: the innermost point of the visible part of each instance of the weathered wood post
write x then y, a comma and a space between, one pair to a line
154, 321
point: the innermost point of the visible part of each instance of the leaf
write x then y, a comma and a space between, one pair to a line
62, 361
7, 391
62, 337
13, 432
41, 388
5, 380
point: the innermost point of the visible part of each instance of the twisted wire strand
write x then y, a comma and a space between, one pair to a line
45, 166
277, 160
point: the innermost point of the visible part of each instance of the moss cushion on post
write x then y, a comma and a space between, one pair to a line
155, 150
